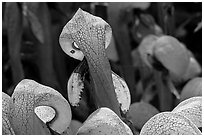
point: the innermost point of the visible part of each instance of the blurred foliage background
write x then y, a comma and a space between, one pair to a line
30, 32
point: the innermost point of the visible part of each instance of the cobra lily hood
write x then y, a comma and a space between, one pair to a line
88, 35
192, 88
104, 121
6, 105
71, 43
183, 120
29, 112
172, 54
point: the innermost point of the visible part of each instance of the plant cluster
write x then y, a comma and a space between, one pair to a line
165, 62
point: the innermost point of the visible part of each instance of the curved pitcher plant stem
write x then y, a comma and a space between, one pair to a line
92, 34
165, 98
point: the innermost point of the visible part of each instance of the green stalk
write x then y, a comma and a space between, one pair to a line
123, 45
101, 79
165, 96
166, 17
13, 19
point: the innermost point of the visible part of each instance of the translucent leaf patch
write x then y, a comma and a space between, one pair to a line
45, 113
122, 92
74, 87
